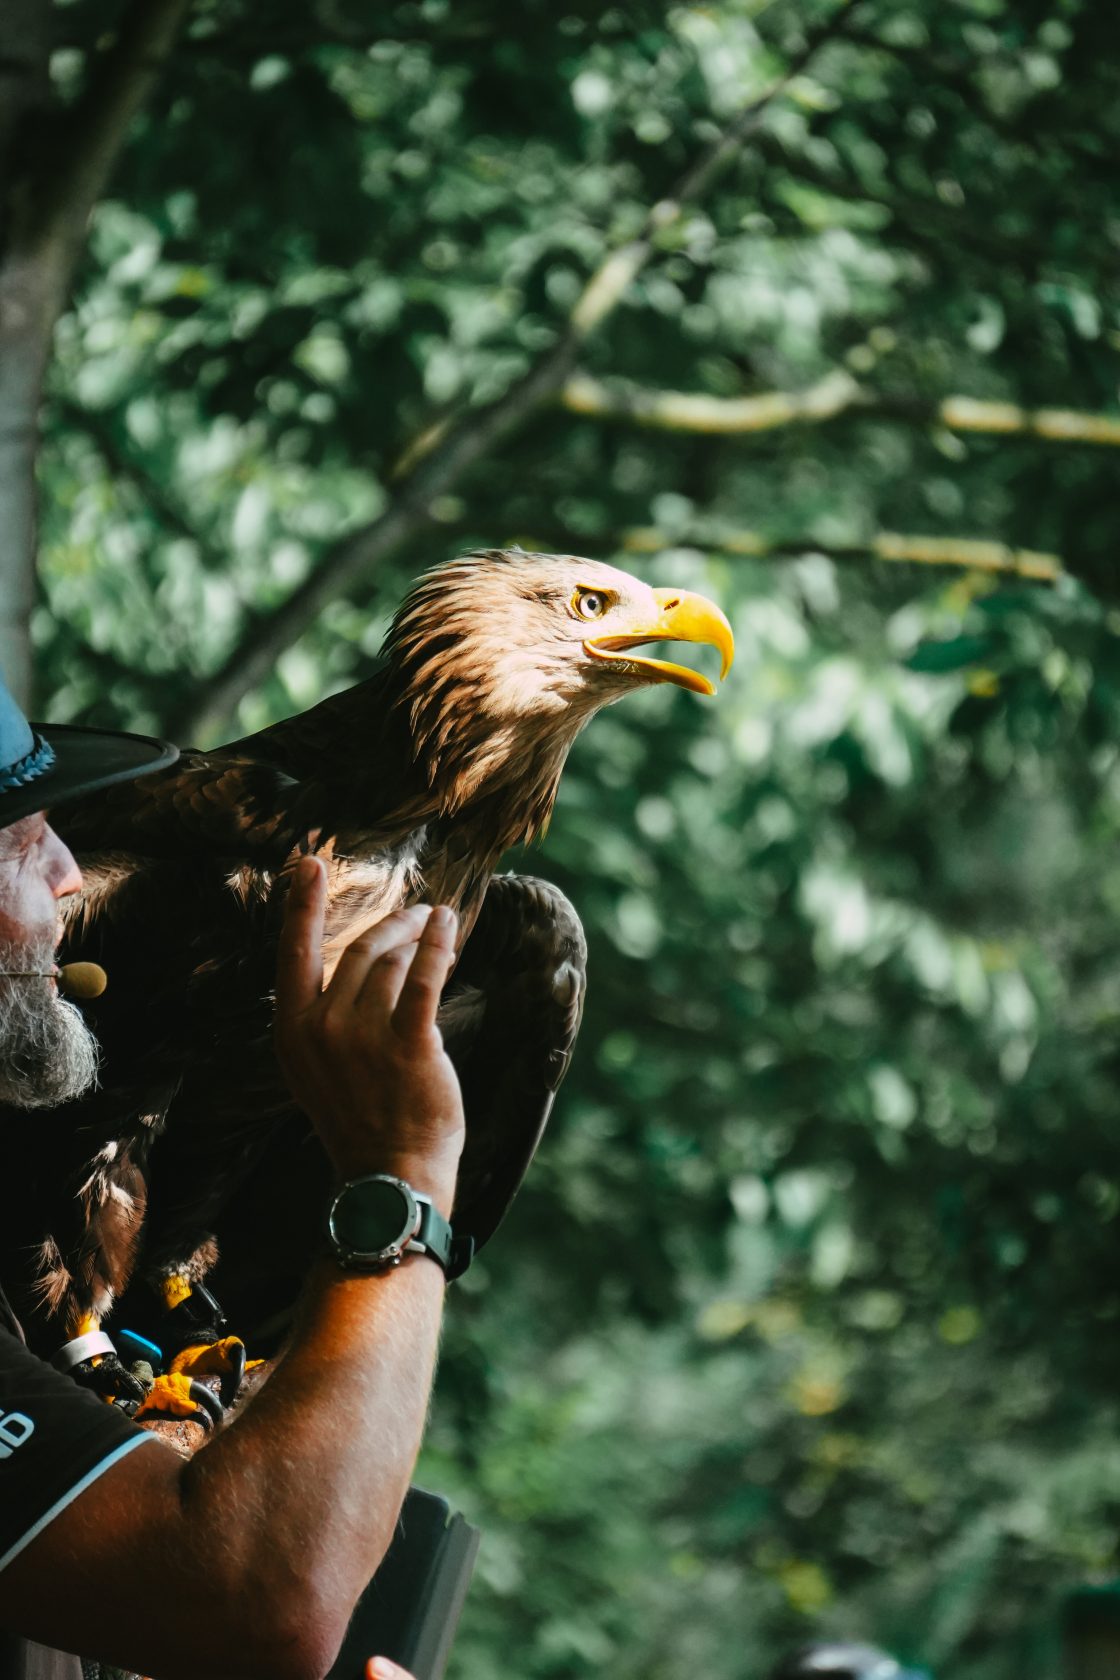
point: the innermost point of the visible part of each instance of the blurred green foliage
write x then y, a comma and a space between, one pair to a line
805, 1318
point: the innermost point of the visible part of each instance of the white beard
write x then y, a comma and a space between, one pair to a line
47, 1053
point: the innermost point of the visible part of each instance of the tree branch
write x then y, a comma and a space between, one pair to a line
977, 554
835, 395
433, 467
75, 166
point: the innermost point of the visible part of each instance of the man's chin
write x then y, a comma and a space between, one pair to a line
47, 1053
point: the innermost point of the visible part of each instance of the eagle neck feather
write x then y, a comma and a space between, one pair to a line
489, 723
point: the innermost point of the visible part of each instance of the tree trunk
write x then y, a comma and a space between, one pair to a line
54, 164
27, 309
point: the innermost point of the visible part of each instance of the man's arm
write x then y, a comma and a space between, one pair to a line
250, 1557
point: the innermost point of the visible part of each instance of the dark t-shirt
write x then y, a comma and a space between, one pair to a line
55, 1439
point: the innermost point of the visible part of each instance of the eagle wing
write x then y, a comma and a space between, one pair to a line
509, 1018
510, 1022
212, 804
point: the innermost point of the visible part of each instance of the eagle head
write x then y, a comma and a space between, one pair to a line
530, 633
502, 656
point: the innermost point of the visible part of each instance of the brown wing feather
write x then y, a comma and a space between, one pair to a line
510, 1020
510, 1023
209, 804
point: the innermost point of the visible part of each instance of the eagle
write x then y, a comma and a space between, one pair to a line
410, 786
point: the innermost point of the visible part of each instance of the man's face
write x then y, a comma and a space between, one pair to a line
47, 1054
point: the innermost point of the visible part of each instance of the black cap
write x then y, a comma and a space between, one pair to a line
41, 764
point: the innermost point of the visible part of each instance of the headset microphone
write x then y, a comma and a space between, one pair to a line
75, 980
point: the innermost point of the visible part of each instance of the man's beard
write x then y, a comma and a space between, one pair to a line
47, 1053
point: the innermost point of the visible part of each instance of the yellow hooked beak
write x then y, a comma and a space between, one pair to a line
682, 617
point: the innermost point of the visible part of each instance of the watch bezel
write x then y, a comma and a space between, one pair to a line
393, 1252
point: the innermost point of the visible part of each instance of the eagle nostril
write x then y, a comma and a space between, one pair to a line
669, 605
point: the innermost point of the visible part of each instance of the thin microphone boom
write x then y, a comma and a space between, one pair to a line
75, 980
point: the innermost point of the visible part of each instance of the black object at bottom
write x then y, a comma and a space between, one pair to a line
411, 1608
1091, 1633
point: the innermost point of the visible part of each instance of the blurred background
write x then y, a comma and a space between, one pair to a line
807, 1322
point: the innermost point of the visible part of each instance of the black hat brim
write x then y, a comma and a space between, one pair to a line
84, 760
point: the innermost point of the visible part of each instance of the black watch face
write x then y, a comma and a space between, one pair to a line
372, 1216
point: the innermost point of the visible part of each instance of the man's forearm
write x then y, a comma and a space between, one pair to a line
314, 1472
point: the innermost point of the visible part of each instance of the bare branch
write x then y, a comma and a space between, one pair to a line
977, 554
683, 411
1056, 425
75, 166
430, 470
831, 397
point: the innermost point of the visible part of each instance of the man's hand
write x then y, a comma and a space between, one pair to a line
364, 1056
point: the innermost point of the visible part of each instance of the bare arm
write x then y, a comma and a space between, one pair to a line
250, 1557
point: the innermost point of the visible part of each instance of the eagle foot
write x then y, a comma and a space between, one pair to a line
176, 1394
195, 1327
109, 1377
224, 1358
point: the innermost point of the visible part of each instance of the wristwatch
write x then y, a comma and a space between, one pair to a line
376, 1220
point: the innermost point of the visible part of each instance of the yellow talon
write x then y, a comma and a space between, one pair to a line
207, 1359
224, 1358
169, 1396
180, 1396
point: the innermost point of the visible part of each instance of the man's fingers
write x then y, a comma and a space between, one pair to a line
299, 962
382, 986
401, 929
380, 1668
416, 1006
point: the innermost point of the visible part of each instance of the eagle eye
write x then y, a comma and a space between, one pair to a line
590, 603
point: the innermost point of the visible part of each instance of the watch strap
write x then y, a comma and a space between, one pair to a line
432, 1236
435, 1237
462, 1253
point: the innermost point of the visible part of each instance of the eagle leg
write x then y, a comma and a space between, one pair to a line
509, 1021
111, 1379
195, 1329
103, 1371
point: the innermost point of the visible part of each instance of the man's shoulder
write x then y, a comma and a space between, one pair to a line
55, 1438
32, 1387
